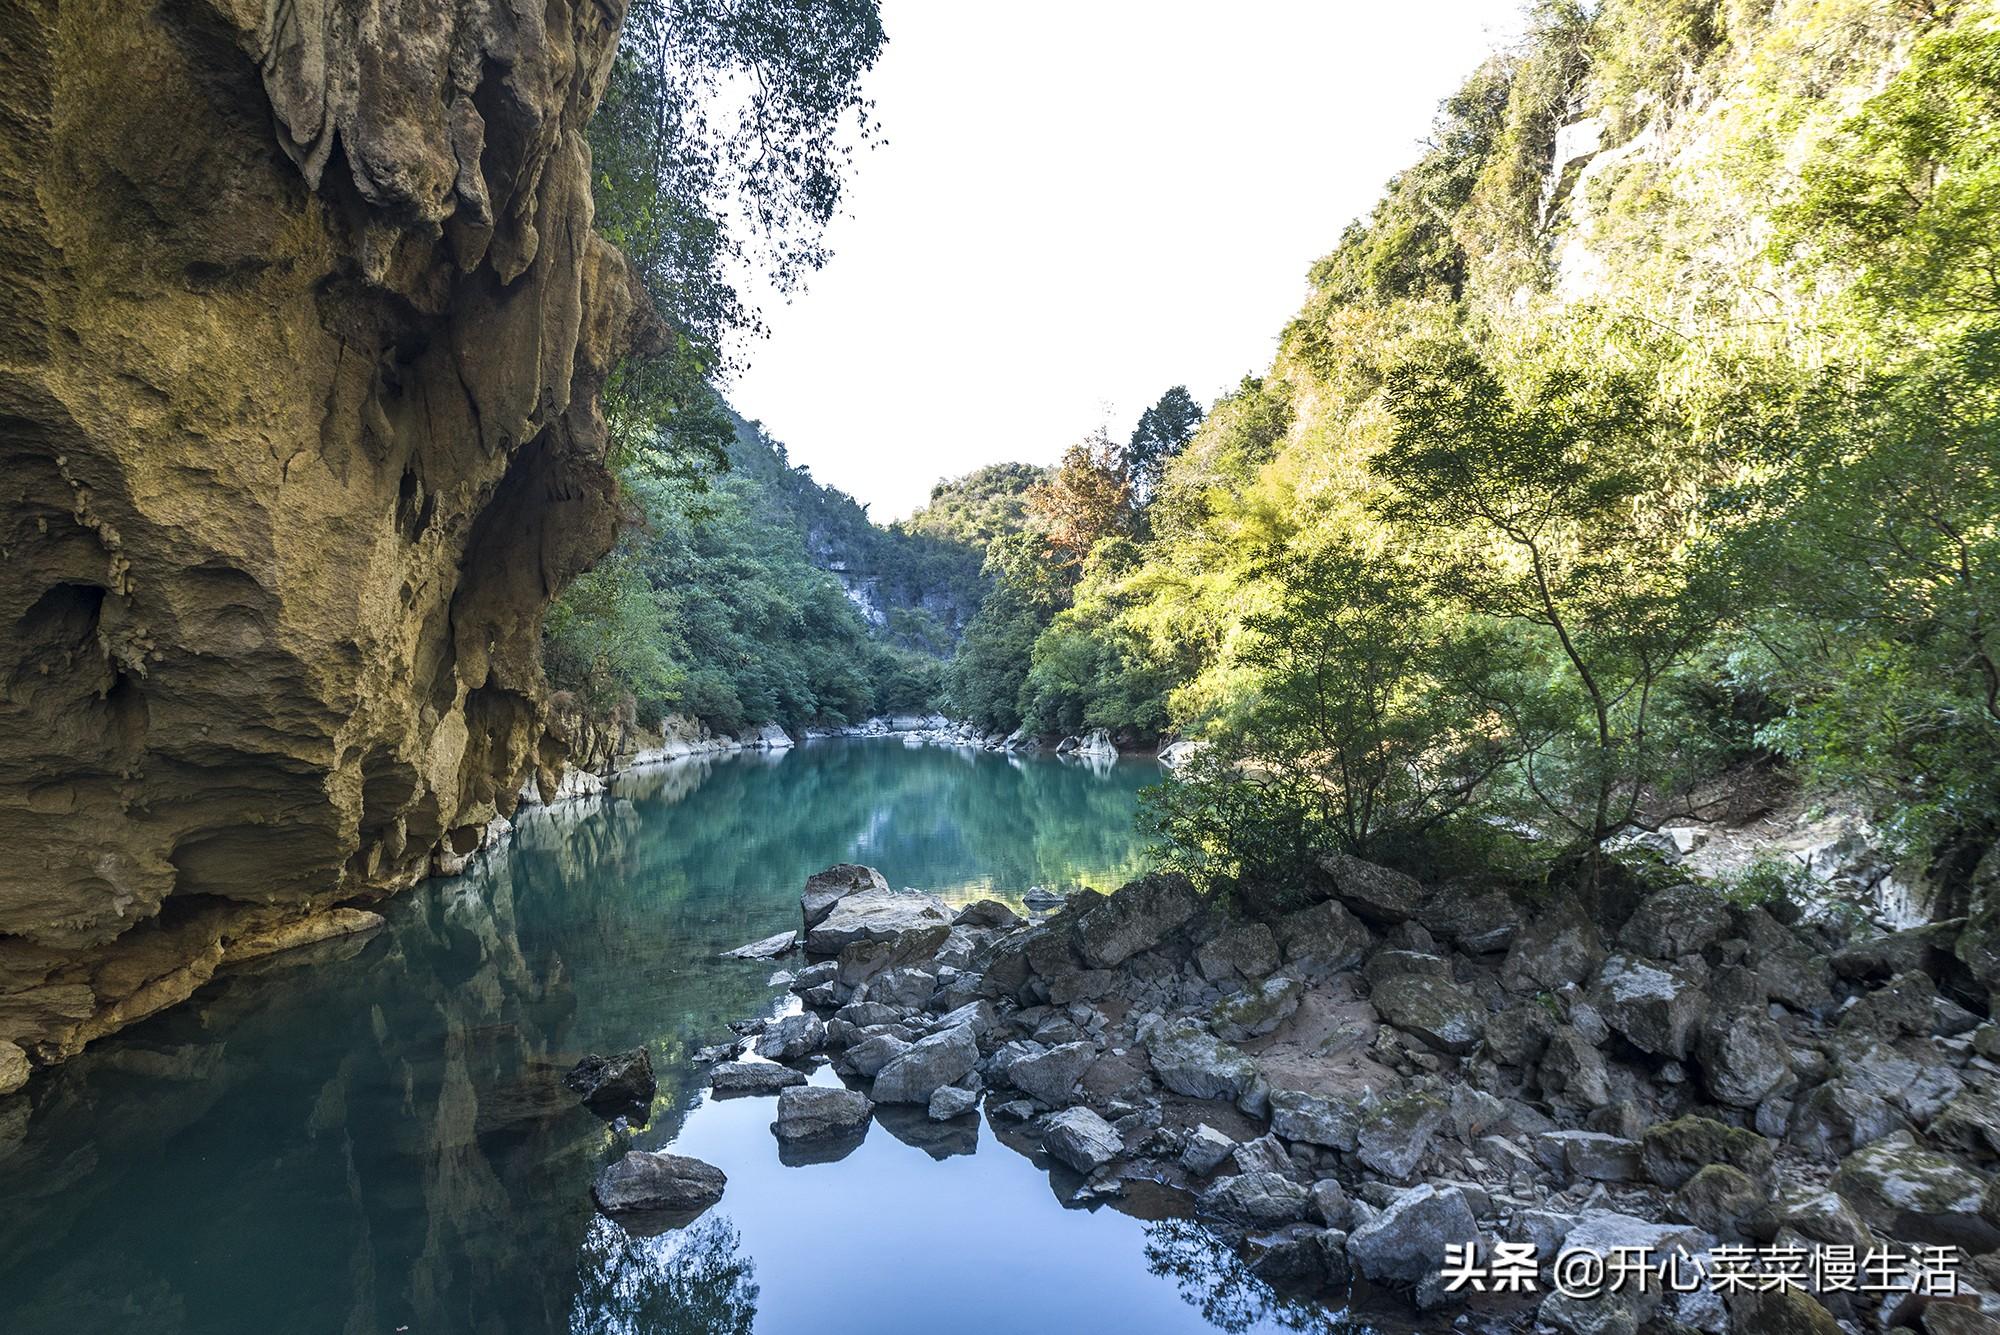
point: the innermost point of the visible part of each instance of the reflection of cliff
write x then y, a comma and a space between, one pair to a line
398, 1119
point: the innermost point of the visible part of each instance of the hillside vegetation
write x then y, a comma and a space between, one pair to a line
1646, 428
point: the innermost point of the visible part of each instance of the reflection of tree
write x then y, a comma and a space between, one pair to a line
1212, 1278
693, 1281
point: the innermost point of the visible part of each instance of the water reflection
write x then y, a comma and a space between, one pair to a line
1213, 1279
383, 1140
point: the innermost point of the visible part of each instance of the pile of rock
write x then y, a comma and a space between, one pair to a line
1357, 1079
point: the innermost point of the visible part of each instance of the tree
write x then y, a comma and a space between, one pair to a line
1085, 499
1549, 509
1163, 432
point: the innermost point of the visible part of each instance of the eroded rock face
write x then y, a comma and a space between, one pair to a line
302, 332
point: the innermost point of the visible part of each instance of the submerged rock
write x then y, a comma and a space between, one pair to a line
655, 1183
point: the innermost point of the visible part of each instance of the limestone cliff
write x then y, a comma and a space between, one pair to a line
302, 331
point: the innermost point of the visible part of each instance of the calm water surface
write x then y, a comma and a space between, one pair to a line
381, 1142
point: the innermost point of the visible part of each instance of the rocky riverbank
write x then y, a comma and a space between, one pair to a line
1349, 1084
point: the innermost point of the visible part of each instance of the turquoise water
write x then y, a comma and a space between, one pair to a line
381, 1142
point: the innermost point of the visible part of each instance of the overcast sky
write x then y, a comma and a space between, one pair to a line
1080, 204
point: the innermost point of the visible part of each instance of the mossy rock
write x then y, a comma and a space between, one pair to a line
1673, 1152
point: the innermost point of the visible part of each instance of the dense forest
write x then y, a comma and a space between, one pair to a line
1645, 430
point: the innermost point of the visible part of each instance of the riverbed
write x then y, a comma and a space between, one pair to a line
374, 1136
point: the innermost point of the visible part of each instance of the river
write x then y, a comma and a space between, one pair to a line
381, 1142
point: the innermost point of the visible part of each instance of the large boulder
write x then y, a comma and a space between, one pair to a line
1788, 969
1189, 1060
1625, 1308
1916, 1194
1743, 1057
1311, 1119
1683, 920
1081, 1139
753, 1077
1377, 894
860, 962
1675, 1151
1051, 1074
1405, 1243
619, 1083
1324, 938
1435, 1009
1259, 1010
1720, 1199
1241, 952
1138, 917
1557, 946
826, 888
1593, 1156
1657, 1009
815, 1112
653, 1183
876, 916
791, 1037
868, 1057
1261, 1200
1573, 1072
987, 913
1396, 1133
941, 1059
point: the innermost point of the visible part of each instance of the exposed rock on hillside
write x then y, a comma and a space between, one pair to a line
302, 331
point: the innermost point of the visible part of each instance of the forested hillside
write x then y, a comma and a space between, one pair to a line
1646, 429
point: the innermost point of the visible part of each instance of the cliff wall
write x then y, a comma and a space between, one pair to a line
303, 325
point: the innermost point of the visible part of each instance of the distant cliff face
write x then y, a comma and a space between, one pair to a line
302, 331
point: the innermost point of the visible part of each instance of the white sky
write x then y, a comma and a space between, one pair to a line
1080, 204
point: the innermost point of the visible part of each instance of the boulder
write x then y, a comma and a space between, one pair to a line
1395, 963
860, 962
752, 1077
1916, 1194
1437, 1010
978, 1014
1324, 938
1189, 1060
1258, 1011
1719, 1199
905, 986
14, 1067
1204, 1150
870, 1055
1557, 946
1742, 1057
1377, 894
1396, 1134
1327, 1202
930, 1063
1905, 1006
1573, 1071
1683, 920
622, 1082
811, 1112
1136, 918
826, 888
1264, 1154
1657, 1009
1051, 1075
951, 1101
1477, 922
1406, 1242
1625, 1310
1789, 970
1311, 1119
1260, 1200
1243, 951
1675, 1151
769, 948
1518, 1035
653, 1183
1590, 1156
877, 916
1781, 1312
1815, 1214
1080, 1139
987, 913
791, 1037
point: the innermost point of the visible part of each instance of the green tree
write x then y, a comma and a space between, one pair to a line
1163, 431
1551, 508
